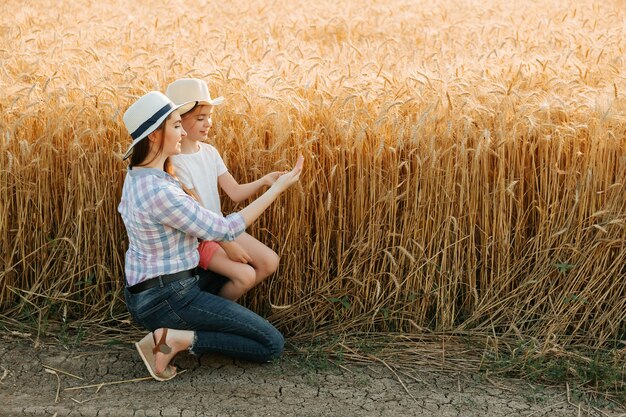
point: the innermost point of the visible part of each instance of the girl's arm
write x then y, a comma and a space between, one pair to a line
239, 192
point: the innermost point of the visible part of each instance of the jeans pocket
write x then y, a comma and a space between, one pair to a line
146, 300
160, 315
152, 308
182, 287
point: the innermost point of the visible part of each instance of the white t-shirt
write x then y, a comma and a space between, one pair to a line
199, 171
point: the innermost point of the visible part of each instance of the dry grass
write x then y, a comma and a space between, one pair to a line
465, 161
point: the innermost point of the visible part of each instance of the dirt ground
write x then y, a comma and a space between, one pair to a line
54, 381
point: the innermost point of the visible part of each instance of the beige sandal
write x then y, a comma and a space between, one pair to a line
147, 349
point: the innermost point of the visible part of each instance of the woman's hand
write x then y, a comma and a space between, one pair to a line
288, 179
236, 252
253, 210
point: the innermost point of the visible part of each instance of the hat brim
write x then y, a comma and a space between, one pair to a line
152, 128
190, 105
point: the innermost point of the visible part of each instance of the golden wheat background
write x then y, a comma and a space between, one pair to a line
465, 160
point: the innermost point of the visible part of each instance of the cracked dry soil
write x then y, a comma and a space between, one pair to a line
53, 381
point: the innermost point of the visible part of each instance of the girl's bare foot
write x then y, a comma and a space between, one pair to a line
177, 340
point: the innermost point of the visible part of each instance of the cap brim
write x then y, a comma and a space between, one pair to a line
152, 128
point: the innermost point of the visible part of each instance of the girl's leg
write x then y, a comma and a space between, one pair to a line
264, 260
242, 276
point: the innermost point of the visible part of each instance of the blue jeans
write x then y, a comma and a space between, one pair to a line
220, 325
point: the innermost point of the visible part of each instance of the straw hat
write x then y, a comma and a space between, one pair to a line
187, 90
147, 114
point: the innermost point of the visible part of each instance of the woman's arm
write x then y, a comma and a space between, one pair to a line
235, 252
252, 211
172, 207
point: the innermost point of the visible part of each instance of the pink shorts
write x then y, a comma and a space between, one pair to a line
207, 249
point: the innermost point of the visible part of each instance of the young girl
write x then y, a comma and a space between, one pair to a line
245, 261
164, 224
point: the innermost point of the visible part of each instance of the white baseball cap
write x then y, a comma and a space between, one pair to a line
146, 114
186, 90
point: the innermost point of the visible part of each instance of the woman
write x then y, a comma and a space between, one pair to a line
163, 225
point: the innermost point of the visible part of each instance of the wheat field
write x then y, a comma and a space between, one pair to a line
465, 161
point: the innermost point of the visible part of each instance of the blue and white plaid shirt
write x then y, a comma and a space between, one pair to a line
164, 223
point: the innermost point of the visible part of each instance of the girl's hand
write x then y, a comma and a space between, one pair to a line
271, 178
236, 252
288, 179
